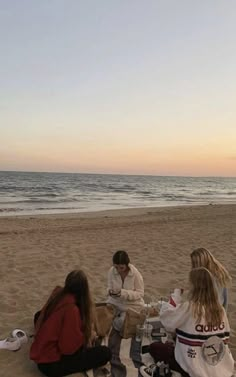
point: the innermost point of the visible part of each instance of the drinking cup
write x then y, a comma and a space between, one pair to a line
148, 330
139, 333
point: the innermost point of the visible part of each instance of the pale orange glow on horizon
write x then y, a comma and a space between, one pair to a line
108, 159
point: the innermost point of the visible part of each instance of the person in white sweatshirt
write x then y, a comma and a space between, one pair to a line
202, 257
125, 287
202, 332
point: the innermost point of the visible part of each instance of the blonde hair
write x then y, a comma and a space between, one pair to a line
202, 257
203, 297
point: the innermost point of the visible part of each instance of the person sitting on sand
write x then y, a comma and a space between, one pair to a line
202, 332
125, 287
63, 331
202, 257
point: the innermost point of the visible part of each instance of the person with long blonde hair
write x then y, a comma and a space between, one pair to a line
63, 331
202, 332
202, 257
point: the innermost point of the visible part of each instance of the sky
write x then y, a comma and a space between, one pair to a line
127, 87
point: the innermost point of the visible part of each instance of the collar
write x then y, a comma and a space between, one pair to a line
130, 273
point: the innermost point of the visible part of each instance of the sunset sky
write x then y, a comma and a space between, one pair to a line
128, 86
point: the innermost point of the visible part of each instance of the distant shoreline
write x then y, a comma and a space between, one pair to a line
116, 211
54, 193
118, 174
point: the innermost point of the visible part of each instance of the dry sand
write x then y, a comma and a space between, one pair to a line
38, 251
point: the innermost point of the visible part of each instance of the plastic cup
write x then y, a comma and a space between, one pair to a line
148, 330
139, 333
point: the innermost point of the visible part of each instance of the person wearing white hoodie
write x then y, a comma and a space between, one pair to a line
202, 332
125, 287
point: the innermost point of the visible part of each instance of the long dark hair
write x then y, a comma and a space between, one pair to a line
121, 257
76, 283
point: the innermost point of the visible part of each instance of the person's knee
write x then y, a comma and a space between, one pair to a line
153, 350
157, 351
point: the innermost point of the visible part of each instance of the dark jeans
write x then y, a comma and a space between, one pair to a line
165, 352
80, 361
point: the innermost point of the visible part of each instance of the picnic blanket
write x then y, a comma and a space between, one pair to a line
127, 354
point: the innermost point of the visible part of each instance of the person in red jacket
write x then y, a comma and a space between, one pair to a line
63, 331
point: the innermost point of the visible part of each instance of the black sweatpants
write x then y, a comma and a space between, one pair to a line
80, 361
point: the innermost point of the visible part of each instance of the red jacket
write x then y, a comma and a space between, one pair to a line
61, 334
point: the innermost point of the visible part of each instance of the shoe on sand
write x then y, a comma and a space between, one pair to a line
11, 344
21, 335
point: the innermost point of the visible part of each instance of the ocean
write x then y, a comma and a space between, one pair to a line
51, 193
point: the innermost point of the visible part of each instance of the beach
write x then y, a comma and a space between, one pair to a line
37, 252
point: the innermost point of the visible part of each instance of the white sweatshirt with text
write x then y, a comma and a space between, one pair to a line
200, 350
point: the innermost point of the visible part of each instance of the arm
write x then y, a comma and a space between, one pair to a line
225, 298
40, 314
113, 285
137, 292
226, 323
71, 337
173, 317
109, 281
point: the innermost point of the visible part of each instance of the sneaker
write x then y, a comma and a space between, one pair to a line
21, 335
11, 344
150, 371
